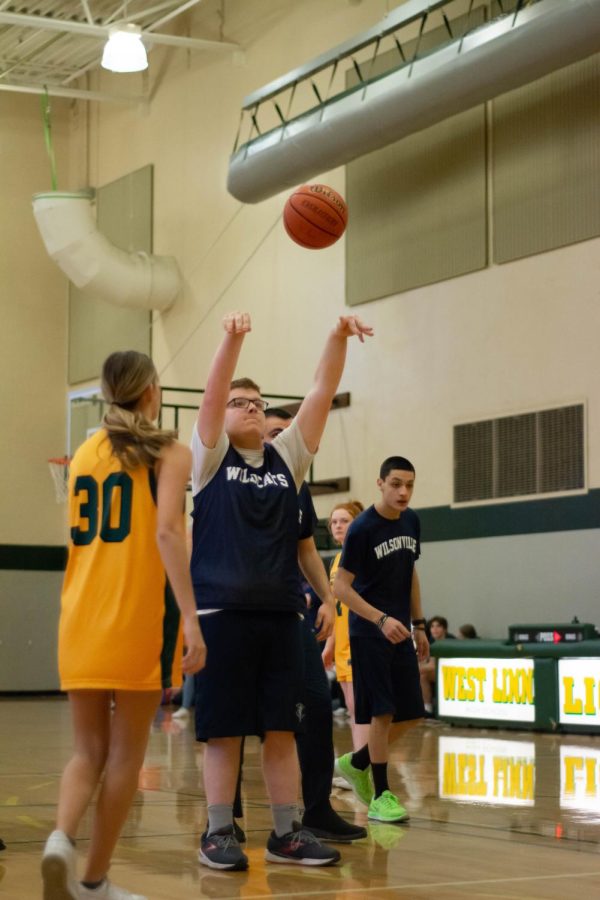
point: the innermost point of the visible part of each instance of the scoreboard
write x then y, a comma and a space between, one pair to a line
546, 633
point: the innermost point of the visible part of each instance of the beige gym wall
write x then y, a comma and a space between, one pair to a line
33, 362
509, 338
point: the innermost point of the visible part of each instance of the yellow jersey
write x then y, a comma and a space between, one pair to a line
343, 666
115, 617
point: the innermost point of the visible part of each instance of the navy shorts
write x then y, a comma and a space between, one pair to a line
253, 680
386, 680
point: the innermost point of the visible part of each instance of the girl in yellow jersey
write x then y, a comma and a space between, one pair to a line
338, 645
126, 495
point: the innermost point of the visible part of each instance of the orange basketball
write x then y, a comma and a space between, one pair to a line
315, 216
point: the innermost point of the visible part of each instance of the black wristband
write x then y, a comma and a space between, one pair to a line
381, 622
419, 622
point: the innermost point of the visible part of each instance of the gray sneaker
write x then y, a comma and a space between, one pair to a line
59, 868
221, 850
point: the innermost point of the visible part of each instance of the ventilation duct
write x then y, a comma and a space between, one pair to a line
499, 56
135, 280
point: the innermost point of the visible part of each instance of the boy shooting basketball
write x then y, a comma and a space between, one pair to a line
244, 569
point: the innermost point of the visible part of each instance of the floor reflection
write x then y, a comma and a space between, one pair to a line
488, 811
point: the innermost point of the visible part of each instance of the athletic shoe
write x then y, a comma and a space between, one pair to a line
221, 850
340, 832
360, 780
387, 808
107, 891
59, 868
239, 833
182, 714
338, 782
301, 848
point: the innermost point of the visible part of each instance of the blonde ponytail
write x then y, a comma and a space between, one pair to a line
135, 440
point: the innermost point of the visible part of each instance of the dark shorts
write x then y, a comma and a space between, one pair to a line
253, 680
386, 680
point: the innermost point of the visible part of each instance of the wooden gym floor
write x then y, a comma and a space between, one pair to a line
500, 815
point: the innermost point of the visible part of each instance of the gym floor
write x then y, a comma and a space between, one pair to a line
494, 814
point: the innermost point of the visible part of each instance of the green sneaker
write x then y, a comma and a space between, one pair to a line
360, 780
387, 808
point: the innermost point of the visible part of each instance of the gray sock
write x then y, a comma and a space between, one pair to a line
220, 815
284, 815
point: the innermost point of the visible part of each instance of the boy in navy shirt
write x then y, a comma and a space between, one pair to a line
245, 575
378, 581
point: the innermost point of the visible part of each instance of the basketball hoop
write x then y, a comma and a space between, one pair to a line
59, 469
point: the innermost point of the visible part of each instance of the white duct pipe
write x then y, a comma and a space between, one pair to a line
134, 280
496, 58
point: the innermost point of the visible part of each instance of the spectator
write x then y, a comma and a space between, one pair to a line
467, 633
437, 630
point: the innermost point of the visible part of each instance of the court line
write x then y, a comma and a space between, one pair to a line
339, 889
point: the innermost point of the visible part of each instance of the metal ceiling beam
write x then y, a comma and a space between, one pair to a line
87, 12
71, 93
100, 32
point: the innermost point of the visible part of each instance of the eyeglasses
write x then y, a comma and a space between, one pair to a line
244, 403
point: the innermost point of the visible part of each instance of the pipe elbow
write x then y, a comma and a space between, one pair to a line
134, 280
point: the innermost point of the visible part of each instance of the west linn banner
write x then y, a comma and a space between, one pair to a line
579, 691
479, 688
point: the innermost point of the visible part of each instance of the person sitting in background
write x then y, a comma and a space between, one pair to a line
467, 633
437, 630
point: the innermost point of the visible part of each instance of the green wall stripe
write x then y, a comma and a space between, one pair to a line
438, 523
443, 523
26, 557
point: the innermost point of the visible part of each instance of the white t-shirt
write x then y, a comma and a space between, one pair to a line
289, 445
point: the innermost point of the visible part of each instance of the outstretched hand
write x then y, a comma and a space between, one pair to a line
237, 323
350, 325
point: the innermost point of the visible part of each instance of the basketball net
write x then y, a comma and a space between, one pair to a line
59, 469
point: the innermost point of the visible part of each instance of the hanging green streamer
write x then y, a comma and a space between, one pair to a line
46, 118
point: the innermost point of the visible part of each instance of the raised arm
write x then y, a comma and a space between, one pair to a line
314, 410
211, 415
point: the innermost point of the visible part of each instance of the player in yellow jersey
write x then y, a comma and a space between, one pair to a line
337, 647
126, 499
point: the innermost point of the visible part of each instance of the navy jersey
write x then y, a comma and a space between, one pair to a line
307, 519
245, 536
381, 554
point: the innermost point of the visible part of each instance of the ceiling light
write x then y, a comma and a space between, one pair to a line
124, 51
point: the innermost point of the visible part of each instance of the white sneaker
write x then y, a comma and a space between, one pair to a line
59, 864
182, 713
338, 781
107, 891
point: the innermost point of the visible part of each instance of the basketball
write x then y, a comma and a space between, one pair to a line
315, 216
